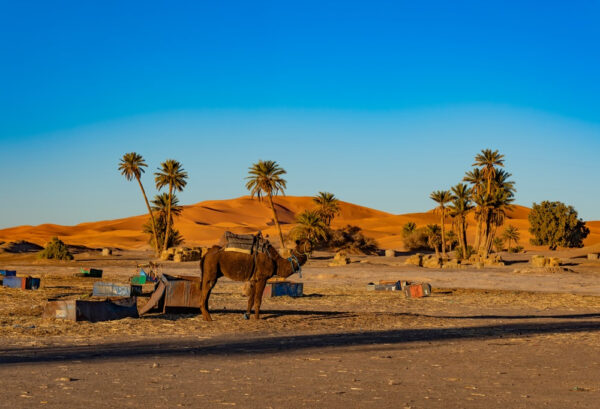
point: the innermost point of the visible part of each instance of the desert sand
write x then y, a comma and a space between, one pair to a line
496, 337
204, 223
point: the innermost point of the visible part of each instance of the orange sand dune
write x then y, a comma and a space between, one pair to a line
204, 223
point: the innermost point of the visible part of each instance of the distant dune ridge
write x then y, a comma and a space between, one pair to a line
204, 223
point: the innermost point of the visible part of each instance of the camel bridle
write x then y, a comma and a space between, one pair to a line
295, 269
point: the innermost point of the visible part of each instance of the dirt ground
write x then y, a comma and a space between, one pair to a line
498, 337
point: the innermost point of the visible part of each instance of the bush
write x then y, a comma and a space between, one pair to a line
556, 224
415, 240
498, 244
56, 249
459, 252
517, 249
352, 240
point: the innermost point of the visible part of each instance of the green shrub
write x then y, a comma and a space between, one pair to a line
556, 224
517, 249
56, 249
415, 239
352, 240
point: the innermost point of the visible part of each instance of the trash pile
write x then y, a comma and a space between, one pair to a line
10, 280
408, 289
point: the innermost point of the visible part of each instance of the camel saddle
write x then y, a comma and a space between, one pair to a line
244, 243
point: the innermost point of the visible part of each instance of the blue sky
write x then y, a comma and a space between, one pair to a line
378, 102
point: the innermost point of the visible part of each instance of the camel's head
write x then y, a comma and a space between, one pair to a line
304, 247
299, 255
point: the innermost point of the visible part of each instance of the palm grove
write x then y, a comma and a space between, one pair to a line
487, 193
264, 181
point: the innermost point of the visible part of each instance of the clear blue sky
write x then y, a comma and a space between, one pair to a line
378, 102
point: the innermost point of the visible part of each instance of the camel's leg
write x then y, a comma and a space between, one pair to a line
251, 291
258, 294
207, 286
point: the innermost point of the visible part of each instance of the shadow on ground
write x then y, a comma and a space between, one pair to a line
282, 344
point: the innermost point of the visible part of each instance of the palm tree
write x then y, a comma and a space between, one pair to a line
442, 197
408, 229
511, 233
487, 160
265, 179
452, 238
328, 206
498, 244
160, 204
459, 209
132, 166
310, 225
476, 179
433, 237
170, 174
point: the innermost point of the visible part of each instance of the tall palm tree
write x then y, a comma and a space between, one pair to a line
459, 209
265, 178
171, 174
132, 166
511, 233
433, 237
442, 198
160, 204
310, 225
476, 179
487, 160
328, 206
498, 204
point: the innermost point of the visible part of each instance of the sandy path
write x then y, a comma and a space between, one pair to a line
488, 278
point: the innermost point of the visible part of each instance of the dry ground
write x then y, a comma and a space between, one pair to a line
494, 338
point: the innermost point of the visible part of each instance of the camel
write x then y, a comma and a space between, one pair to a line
256, 269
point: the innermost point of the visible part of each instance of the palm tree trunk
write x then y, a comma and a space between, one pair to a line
151, 217
168, 230
477, 234
462, 237
443, 235
276, 221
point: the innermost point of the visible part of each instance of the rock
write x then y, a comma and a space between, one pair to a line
106, 251
541, 261
431, 261
553, 262
415, 260
182, 254
454, 263
592, 256
165, 255
390, 253
494, 260
340, 259
538, 261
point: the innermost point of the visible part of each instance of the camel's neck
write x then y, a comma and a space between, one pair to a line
286, 268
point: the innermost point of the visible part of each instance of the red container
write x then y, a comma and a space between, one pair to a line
417, 290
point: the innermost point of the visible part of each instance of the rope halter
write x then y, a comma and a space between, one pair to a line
295, 269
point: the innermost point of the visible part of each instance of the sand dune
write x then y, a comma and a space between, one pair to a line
204, 223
